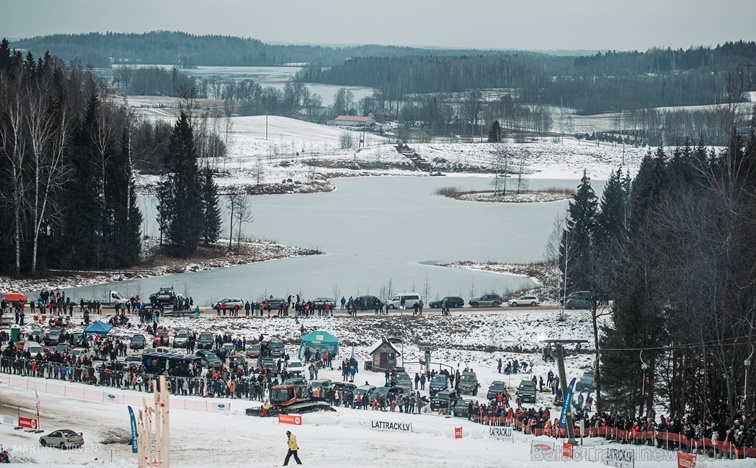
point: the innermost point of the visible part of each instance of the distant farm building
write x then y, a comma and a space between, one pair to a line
352, 121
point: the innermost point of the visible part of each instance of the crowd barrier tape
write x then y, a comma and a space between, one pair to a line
664, 438
100, 396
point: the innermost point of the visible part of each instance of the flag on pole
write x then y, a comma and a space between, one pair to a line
37, 404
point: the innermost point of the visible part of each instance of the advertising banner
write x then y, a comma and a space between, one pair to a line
621, 458
566, 405
391, 426
132, 421
27, 423
686, 460
500, 432
290, 419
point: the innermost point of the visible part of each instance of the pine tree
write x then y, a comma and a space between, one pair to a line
494, 133
84, 217
125, 218
211, 218
576, 245
179, 200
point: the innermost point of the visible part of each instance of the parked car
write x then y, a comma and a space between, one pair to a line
367, 302
468, 383
205, 340
388, 393
277, 348
52, 337
135, 359
181, 338
345, 386
275, 302
409, 299
209, 358
496, 387
295, 367
438, 382
231, 303
75, 353
404, 380
62, 438
324, 384
267, 363
36, 335
33, 348
527, 391
486, 300
444, 399
320, 302
161, 337
254, 351
578, 303
461, 408
61, 348
585, 383
364, 390
451, 302
524, 300
587, 295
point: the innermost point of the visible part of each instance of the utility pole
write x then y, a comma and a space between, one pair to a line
563, 379
558, 344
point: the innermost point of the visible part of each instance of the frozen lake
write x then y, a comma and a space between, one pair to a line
374, 231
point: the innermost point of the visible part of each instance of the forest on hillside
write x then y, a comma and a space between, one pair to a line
449, 93
68, 155
188, 50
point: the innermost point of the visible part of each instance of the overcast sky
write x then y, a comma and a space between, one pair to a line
495, 24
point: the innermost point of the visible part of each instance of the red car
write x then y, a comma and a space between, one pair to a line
161, 337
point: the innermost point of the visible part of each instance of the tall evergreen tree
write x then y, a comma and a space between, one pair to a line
83, 222
211, 217
575, 249
494, 133
123, 213
180, 203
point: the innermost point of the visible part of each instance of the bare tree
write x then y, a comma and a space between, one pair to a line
243, 215
11, 137
501, 166
336, 292
427, 289
232, 203
258, 171
48, 137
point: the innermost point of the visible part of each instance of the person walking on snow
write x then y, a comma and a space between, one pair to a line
293, 447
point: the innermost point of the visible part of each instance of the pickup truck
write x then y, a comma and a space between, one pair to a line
165, 296
111, 298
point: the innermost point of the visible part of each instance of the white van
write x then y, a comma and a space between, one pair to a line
33, 347
410, 299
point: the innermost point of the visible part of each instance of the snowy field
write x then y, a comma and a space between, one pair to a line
343, 438
203, 436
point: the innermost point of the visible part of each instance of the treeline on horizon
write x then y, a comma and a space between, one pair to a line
604, 82
102, 50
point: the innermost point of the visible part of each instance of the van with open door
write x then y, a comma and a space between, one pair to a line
408, 299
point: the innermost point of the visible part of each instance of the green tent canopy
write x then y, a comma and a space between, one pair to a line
319, 340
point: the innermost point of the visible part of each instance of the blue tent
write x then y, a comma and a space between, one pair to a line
99, 328
319, 340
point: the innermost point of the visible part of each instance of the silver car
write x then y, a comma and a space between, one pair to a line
524, 300
62, 438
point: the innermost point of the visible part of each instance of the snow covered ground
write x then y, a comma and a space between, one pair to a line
305, 152
203, 436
